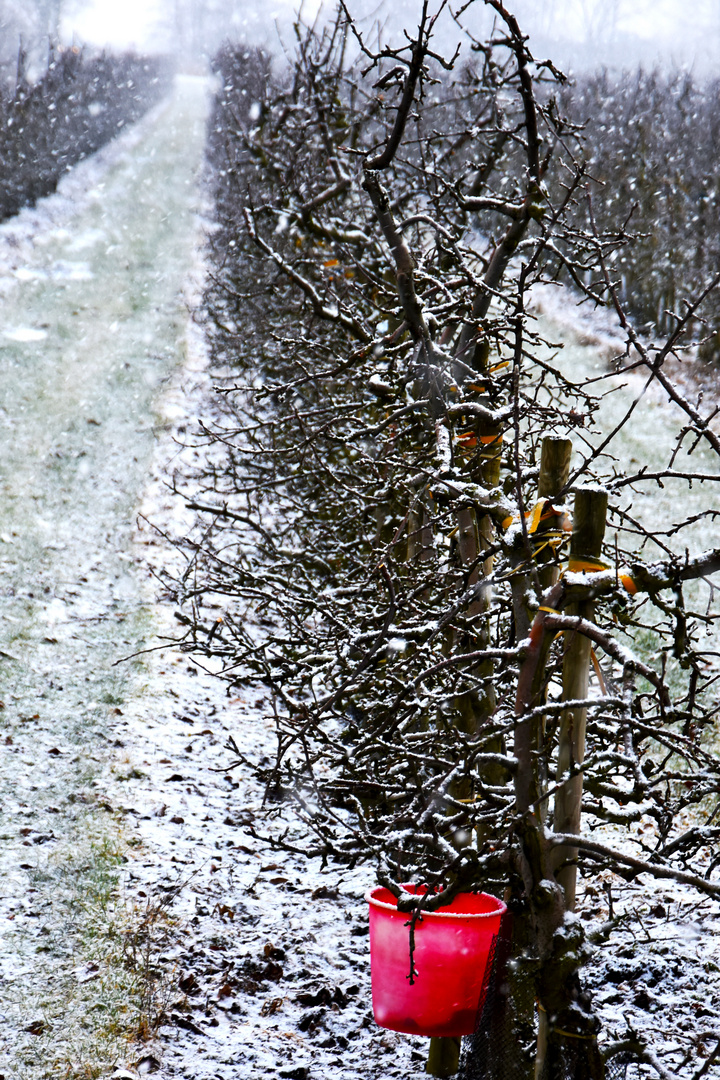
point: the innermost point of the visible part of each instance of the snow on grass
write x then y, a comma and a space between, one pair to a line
76, 425
25, 334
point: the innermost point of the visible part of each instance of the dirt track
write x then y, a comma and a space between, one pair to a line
92, 323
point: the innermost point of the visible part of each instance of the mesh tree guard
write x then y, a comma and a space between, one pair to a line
503, 1046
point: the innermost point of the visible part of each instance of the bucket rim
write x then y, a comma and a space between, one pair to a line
383, 906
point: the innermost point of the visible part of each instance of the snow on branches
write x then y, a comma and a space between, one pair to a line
487, 667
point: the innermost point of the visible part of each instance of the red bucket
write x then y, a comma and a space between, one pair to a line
450, 958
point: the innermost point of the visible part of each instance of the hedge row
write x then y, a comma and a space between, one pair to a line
76, 107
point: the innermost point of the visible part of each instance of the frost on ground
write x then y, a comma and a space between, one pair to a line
267, 968
90, 322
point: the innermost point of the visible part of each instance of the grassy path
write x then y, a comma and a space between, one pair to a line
91, 325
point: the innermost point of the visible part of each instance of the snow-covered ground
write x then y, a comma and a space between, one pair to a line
143, 926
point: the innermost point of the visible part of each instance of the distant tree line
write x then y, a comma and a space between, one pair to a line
77, 106
652, 140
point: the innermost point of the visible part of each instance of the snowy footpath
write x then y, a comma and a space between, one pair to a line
143, 928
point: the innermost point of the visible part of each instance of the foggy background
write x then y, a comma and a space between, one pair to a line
575, 33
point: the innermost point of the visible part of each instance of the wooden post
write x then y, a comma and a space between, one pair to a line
554, 472
555, 458
443, 1056
586, 544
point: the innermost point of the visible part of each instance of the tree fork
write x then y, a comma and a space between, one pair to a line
555, 458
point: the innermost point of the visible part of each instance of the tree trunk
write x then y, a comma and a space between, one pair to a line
475, 535
554, 471
566, 1046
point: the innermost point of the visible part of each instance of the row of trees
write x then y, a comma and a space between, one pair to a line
77, 106
420, 542
652, 143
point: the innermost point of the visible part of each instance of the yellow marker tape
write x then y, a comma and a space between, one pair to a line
550, 610
470, 439
508, 521
543, 510
587, 565
597, 566
534, 516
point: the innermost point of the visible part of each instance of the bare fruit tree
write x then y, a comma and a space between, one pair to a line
487, 668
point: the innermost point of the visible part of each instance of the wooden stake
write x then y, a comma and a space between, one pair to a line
555, 458
443, 1056
587, 536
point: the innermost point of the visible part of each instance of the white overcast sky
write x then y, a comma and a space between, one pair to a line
145, 23
107, 22
683, 31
